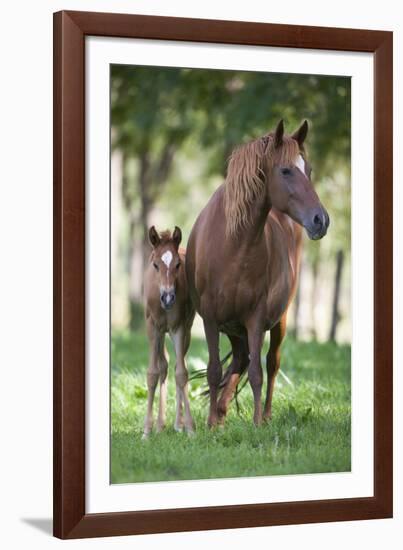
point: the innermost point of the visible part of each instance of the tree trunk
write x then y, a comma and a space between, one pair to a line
152, 176
145, 208
336, 296
314, 288
297, 302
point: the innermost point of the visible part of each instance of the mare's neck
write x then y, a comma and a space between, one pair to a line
259, 210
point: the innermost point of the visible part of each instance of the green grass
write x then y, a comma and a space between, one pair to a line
309, 433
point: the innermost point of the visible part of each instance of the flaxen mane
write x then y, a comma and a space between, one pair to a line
245, 179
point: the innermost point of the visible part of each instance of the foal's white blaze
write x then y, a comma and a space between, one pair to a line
300, 163
167, 258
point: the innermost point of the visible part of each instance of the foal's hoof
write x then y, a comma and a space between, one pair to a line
145, 436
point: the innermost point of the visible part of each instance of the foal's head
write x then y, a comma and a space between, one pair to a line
166, 263
275, 165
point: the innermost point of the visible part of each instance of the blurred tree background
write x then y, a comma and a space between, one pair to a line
172, 131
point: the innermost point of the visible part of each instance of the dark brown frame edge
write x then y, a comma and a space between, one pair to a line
70, 29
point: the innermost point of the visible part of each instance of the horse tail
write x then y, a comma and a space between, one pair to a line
203, 372
227, 372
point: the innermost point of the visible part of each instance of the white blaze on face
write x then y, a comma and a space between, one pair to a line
300, 163
167, 258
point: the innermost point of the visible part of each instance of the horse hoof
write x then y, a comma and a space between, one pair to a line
145, 436
212, 421
178, 428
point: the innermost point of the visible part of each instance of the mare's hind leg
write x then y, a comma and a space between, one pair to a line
163, 370
240, 359
277, 334
180, 341
155, 339
214, 368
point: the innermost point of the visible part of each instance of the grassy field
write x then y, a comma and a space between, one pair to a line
310, 430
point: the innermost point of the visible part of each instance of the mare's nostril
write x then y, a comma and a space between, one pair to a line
317, 220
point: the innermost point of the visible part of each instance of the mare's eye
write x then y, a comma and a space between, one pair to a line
155, 265
285, 171
178, 265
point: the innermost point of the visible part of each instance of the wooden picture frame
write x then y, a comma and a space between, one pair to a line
70, 517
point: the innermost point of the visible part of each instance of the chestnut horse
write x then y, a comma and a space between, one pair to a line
168, 309
243, 258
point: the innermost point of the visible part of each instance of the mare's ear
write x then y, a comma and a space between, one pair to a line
154, 237
177, 236
278, 134
300, 134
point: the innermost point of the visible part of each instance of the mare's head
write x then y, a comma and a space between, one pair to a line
275, 165
289, 181
166, 262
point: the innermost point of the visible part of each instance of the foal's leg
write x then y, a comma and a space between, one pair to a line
214, 369
163, 369
239, 364
255, 341
277, 334
181, 376
153, 373
179, 398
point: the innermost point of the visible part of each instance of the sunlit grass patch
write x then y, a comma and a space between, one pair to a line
310, 431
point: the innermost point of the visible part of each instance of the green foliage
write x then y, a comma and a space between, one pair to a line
219, 109
310, 431
204, 113
136, 316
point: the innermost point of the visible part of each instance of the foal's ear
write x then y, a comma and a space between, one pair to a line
300, 134
278, 134
177, 236
154, 237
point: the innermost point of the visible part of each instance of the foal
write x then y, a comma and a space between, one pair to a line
168, 308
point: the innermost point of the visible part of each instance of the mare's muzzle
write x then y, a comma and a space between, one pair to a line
316, 223
167, 298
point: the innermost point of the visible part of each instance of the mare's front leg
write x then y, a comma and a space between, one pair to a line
155, 339
214, 368
180, 342
255, 341
277, 334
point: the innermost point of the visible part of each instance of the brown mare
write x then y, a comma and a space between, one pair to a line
168, 309
243, 258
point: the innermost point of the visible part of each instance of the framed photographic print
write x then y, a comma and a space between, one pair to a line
223, 274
